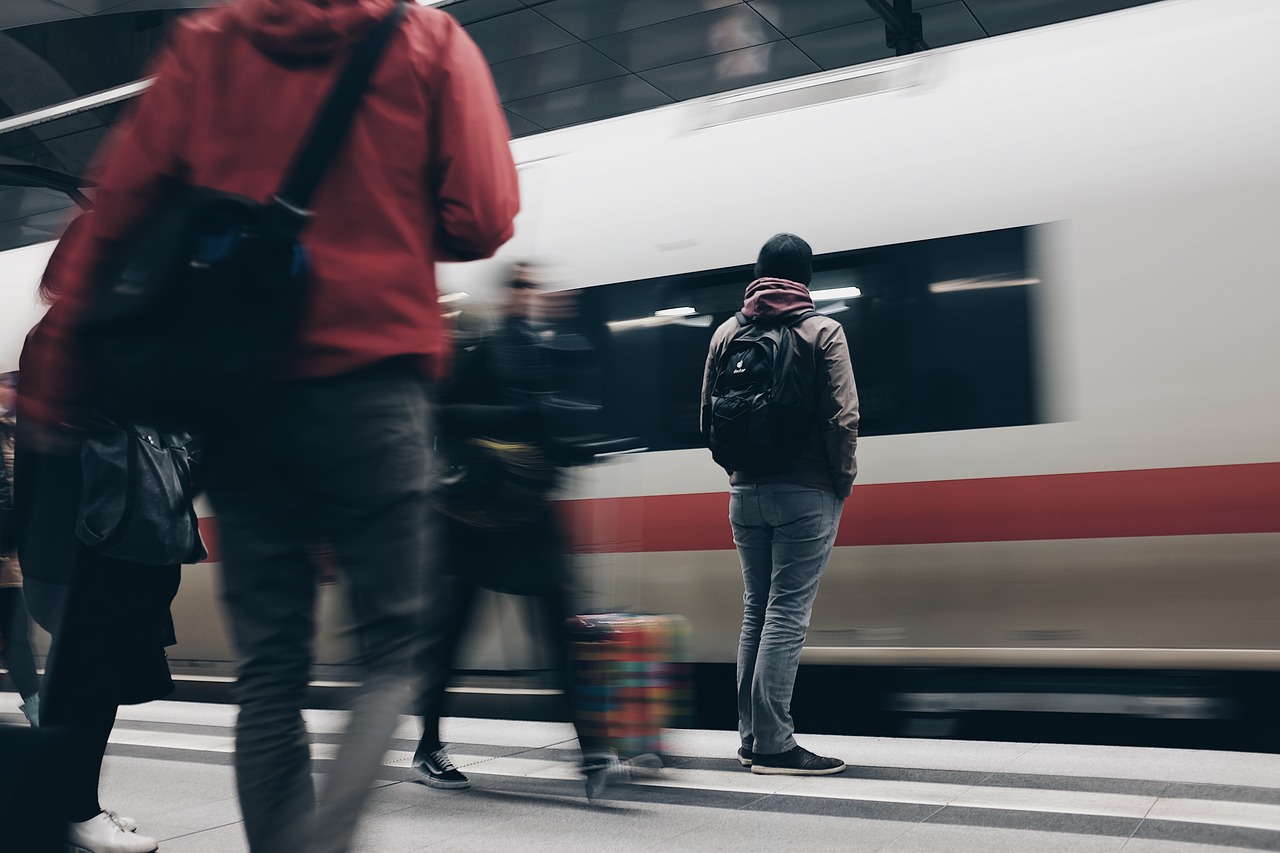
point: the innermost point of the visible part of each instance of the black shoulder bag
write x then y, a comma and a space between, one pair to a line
137, 496
191, 314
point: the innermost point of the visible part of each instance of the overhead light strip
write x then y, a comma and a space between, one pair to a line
103, 98
78, 105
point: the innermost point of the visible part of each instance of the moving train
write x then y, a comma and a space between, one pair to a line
1054, 256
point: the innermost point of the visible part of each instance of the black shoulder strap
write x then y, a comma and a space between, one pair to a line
329, 128
744, 321
800, 318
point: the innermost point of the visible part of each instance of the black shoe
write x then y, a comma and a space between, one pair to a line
436, 770
796, 761
745, 756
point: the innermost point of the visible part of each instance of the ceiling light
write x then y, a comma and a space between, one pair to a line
835, 293
682, 311
959, 284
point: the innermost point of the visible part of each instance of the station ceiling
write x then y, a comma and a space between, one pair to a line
557, 63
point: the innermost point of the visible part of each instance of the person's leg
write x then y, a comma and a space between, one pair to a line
455, 601
268, 587
85, 715
366, 460
553, 608
804, 522
70, 701
89, 724
17, 632
754, 540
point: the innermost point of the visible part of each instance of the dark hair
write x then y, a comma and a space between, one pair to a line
785, 256
56, 270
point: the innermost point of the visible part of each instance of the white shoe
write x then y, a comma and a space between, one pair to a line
104, 834
128, 824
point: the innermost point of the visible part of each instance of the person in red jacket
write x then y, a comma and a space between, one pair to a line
425, 175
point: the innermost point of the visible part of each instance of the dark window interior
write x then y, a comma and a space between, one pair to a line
940, 337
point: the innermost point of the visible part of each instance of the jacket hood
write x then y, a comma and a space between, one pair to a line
307, 28
772, 298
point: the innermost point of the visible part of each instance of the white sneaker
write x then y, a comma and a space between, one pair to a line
104, 834
128, 824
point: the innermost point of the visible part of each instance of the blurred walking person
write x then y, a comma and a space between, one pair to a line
780, 413
498, 528
340, 447
15, 627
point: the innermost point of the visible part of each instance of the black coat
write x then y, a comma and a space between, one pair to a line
495, 392
110, 619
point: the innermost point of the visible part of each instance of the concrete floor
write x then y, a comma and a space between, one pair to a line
169, 767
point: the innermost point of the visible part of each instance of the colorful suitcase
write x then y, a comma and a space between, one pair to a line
632, 679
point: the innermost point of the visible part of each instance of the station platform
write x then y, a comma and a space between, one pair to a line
169, 767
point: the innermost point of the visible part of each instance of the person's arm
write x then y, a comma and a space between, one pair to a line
473, 173
838, 407
708, 378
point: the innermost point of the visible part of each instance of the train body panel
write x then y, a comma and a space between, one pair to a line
1200, 602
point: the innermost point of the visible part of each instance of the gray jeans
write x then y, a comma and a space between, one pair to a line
784, 535
344, 461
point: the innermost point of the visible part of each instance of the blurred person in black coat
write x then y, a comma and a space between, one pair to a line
497, 528
109, 621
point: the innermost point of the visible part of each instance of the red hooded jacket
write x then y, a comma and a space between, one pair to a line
424, 175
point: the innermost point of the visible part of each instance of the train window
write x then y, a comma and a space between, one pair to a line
939, 333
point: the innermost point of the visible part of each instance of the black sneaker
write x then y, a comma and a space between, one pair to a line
745, 756
437, 771
796, 761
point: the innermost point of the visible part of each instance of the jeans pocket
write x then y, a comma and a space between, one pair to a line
801, 512
737, 503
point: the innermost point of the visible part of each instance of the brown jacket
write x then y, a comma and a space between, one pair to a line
829, 460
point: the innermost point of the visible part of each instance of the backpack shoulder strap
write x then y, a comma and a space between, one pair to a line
329, 128
800, 318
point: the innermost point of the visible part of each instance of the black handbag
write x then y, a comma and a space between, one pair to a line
189, 316
137, 500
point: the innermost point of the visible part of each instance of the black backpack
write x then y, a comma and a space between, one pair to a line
763, 405
189, 318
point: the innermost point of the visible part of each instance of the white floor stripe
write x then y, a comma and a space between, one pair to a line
172, 740
1044, 801
1218, 813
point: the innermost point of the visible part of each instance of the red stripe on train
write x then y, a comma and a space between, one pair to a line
1097, 505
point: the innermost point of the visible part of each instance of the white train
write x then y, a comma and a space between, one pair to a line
1054, 253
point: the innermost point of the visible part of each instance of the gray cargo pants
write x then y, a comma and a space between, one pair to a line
343, 459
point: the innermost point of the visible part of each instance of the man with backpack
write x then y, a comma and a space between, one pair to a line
780, 414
